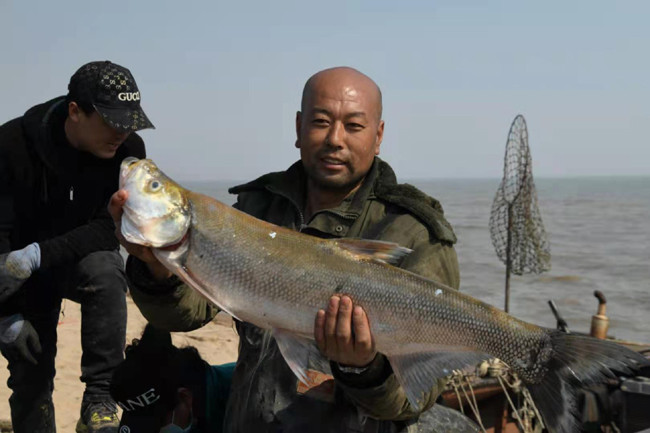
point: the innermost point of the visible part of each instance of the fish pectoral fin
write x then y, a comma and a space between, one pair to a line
184, 274
301, 354
418, 369
388, 252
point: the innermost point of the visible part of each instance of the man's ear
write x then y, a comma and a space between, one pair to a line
298, 125
74, 111
380, 137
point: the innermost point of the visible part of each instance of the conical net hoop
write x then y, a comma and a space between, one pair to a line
529, 248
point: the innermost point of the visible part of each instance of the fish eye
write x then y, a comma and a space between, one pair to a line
154, 185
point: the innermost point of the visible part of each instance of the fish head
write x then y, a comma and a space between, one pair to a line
157, 211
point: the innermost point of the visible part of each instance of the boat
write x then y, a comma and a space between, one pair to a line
493, 397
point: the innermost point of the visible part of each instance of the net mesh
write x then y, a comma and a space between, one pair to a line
515, 209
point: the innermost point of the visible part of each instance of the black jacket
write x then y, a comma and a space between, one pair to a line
53, 194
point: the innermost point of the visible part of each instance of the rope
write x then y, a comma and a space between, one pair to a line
456, 381
529, 400
525, 416
472, 404
515, 413
460, 400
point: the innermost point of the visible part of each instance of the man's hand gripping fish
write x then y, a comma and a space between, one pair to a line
278, 279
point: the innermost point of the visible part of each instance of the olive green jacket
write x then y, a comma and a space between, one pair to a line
264, 396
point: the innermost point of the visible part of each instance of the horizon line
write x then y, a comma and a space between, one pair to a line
420, 179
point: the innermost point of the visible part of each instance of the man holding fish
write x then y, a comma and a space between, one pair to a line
338, 189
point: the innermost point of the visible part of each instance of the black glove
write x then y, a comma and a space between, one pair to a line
18, 339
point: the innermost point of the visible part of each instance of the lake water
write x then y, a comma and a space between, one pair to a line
599, 231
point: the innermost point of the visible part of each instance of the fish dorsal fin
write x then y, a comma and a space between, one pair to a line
419, 368
388, 252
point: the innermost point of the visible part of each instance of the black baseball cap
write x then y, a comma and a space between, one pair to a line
112, 91
145, 384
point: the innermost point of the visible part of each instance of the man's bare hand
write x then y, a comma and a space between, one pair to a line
342, 333
140, 251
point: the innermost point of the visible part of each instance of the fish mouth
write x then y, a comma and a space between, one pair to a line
126, 168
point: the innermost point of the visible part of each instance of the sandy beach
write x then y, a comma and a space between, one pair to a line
217, 343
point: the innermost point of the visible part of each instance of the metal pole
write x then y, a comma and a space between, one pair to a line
508, 258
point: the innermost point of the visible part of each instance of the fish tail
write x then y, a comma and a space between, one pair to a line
577, 361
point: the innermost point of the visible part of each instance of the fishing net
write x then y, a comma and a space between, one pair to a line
516, 226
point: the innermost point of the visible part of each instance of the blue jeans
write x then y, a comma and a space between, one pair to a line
98, 283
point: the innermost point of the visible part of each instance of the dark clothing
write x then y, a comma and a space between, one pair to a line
266, 395
98, 283
55, 195
217, 388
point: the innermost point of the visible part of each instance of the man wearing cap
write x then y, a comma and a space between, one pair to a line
59, 163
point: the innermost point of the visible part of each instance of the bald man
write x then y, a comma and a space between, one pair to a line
338, 188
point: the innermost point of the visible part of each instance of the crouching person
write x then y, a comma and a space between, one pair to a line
59, 162
162, 388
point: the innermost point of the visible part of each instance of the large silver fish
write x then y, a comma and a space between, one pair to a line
278, 279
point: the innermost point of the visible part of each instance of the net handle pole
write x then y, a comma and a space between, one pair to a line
508, 258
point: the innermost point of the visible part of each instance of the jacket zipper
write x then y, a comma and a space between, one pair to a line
71, 193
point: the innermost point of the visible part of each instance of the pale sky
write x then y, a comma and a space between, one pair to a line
221, 80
